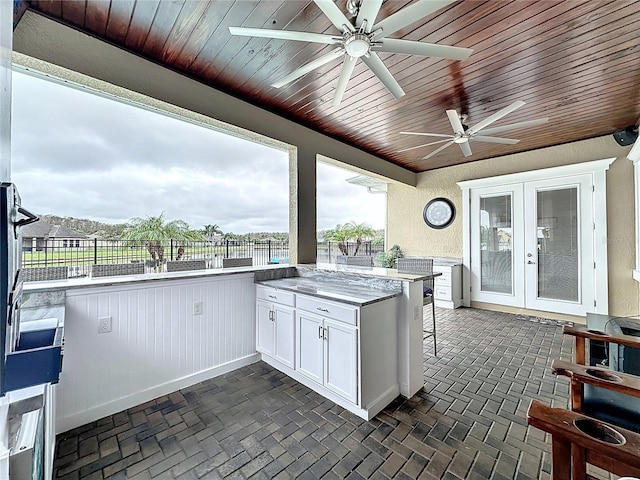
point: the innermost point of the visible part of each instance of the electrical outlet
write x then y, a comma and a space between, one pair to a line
104, 325
197, 308
416, 313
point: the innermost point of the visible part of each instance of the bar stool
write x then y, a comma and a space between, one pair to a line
419, 266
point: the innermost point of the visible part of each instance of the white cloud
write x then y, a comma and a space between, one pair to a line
80, 155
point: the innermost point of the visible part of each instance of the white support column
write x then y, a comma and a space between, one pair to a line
6, 46
410, 340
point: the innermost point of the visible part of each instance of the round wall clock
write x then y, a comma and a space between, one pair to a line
439, 213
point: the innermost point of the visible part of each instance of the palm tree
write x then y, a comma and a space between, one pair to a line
210, 231
340, 234
155, 232
359, 231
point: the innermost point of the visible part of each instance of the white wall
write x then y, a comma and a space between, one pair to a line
157, 344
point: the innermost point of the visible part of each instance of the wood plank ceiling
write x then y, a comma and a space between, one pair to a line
575, 61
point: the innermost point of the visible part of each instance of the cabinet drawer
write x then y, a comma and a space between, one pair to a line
444, 279
275, 296
443, 293
327, 309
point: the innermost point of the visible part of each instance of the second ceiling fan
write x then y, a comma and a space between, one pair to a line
462, 134
362, 38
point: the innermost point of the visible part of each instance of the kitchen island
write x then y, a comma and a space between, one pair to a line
352, 334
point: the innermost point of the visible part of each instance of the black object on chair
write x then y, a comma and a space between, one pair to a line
422, 266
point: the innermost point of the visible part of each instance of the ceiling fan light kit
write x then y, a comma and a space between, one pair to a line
360, 36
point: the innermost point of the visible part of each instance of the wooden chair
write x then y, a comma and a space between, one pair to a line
117, 269
185, 265
603, 393
577, 440
422, 266
237, 262
39, 274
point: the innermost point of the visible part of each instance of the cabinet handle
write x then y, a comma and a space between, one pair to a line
325, 333
320, 331
322, 309
271, 315
272, 296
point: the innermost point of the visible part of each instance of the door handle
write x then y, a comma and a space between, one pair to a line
531, 263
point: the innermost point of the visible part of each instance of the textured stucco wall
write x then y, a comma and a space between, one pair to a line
407, 229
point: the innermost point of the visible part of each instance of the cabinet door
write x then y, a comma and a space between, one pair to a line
311, 346
341, 360
284, 340
264, 334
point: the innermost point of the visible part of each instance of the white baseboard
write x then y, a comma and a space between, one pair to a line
377, 405
123, 403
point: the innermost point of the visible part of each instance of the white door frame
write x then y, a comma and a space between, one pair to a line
598, 170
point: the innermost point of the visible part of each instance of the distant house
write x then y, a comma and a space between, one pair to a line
40, 235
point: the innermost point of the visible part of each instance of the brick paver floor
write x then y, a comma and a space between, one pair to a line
467, 423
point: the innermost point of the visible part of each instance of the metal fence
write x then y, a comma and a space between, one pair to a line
79, 254
328, 251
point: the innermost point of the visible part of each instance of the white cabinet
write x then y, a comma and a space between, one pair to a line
341, 359
347, 353
311, 346
448, 286
275, 335
328, 353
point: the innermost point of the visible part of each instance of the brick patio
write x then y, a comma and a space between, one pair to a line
469, 422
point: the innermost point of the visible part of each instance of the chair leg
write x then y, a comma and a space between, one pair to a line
433, 316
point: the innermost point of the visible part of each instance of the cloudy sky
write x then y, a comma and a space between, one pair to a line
80, 155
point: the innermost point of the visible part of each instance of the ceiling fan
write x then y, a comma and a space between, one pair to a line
462, 134
361, 38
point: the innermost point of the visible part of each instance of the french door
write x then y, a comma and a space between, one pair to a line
532, 245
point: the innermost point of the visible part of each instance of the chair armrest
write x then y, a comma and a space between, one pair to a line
584, 332
621, 459
599, 377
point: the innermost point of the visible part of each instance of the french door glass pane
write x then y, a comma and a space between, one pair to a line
496, 244
557, 231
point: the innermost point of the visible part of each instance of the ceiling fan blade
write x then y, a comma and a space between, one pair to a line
496, 116
347, 69
333, 12
505, 141
427, 134
383, 74
284, 35
368, 12
438, 150
409, 47
513, 126
466, 149
455, 121
420, 146
318, 62
407, 16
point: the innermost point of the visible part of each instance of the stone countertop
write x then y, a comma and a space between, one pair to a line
352, 291
368, 272
37, 306
86, 282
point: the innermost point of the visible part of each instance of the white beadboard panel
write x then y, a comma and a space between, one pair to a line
156, 346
